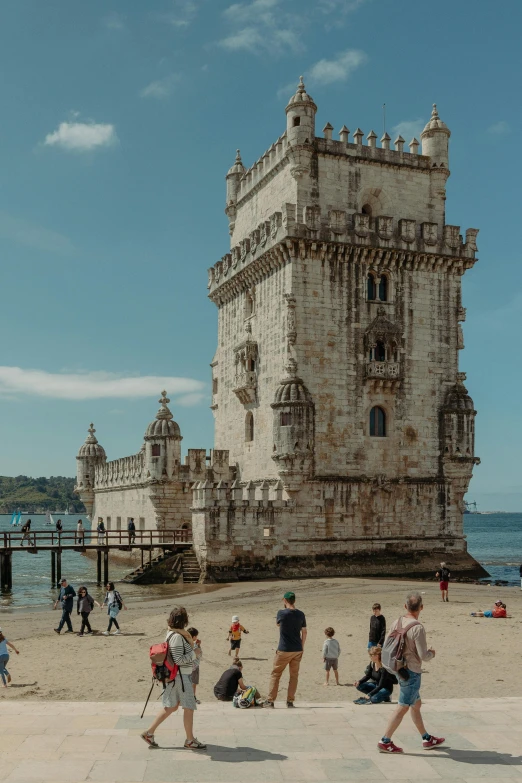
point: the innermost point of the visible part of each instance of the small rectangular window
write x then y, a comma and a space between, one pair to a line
142, 523
156, 450
214, 385
286, 418
118, 523
267, 532
108, 525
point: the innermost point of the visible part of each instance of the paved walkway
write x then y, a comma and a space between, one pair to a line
69, 742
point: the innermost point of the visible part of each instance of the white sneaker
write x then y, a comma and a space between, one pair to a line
105, 633
116, 632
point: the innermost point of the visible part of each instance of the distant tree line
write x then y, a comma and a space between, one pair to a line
39, 494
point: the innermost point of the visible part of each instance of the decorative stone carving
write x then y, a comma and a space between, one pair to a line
337, 221
226, 261
452, 236
236, 255
460, 338
244, 246
210, 277
291, 332
264, 232
361, 224
471, 238
275, 223
382, 343
429, 233
385, 227
312, 217
407, 230
254, 240
245, 380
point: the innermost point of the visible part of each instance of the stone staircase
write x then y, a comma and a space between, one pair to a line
191, 569
141, 573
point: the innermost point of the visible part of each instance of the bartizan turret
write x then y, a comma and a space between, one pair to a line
89, 456
300, 131
293, 450
233, 178
162, 445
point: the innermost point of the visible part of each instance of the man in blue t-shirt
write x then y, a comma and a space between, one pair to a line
292, 636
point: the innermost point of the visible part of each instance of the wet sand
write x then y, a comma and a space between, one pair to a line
474, 657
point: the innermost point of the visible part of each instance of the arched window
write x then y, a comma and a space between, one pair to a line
380, 351
371, 288
377, 422
249, 427
383, 288
156, 450
367, 210
251, 365
286, 418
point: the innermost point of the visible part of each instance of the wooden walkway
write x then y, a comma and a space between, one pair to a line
12, 541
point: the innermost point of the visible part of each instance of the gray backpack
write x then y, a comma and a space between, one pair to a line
392, 655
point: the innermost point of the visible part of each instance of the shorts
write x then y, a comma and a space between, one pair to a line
489, 613
409, 690
194, 677
174, 694
331, 663
235, 644
443, 585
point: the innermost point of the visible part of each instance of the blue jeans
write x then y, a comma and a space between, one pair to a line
409, 689
3, 671
65, 619
382, 695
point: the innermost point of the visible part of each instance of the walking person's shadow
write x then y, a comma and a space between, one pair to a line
471, 756
236, 755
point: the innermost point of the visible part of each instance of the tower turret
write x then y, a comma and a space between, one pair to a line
293, 450
233, 176
89, 456
435, 140
162, 444
300, 117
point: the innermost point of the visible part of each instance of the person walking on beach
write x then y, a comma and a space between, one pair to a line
66, 599
377, 627
179, 691
4, 658
415, 651
100, 529
80, 533
443, 576
234, 636
26, 530
114, 602
292, 638
131, 529
84, 606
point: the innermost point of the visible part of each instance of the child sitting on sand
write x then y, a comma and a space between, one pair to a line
234, 635
499, 610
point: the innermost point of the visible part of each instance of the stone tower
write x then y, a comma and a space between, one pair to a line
336, 383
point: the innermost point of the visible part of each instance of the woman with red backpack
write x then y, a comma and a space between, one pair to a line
178, 690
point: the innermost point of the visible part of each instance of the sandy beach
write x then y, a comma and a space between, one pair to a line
475, 657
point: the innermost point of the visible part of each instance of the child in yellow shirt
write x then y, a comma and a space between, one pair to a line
234, 635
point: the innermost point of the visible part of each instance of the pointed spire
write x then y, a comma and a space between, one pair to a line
414, 146
399, 143
164, 412
344, 134
327, 130
372, 139
91, 437
238, 167
385, 141
358, 136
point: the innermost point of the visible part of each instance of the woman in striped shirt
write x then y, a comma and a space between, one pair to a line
179, 691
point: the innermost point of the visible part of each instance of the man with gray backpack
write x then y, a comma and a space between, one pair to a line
402, 654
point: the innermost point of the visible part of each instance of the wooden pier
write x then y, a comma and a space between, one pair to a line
15, 541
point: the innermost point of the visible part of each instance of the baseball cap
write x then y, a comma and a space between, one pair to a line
235, 619
289, 596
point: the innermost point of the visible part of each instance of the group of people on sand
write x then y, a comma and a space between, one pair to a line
84, 606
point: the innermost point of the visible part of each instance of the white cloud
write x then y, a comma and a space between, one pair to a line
95, 385
337, 70
114, 21
182, 14
339, 6
261, 28
23, 232
82, 136
500, 128
161, 88
189, 400
409, 129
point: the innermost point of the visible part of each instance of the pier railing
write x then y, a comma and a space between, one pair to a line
91, 538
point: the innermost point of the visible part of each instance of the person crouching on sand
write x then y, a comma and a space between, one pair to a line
499, 610
377, 683
179, 691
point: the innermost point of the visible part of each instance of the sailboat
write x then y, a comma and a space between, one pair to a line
49, 519
13, 519
18, 520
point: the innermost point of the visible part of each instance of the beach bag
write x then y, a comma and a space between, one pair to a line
392, 655
245, 699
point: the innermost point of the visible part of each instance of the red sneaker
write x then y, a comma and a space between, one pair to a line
432, 742
388, 747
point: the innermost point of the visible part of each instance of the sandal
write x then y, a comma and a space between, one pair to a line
194, 744
149, 739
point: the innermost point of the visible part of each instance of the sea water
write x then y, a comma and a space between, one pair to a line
495, 540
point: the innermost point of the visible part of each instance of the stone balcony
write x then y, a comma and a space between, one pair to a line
245, 385
383, 373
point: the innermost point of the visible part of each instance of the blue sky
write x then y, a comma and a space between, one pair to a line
119, 121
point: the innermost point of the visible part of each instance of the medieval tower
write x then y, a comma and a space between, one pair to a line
336, 383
